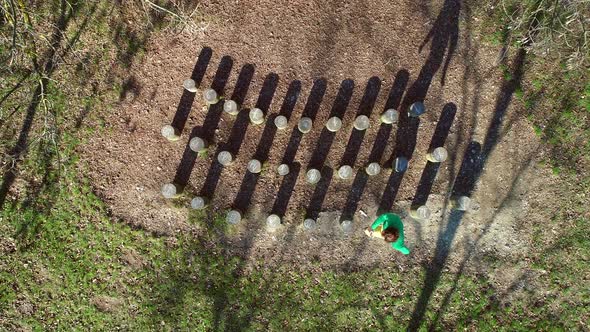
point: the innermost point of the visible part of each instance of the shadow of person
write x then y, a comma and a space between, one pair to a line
443, 37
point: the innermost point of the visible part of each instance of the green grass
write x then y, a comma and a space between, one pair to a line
69, 252
75, 253
556, 104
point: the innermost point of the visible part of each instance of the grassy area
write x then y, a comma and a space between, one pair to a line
555, 95
67, 265
71, 266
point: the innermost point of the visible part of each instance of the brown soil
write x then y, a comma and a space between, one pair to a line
370, 43
107, 303
132, 258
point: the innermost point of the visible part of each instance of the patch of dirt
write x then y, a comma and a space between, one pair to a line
24, 307
42, 275
7, 245
106, 303
373, 49
131, 258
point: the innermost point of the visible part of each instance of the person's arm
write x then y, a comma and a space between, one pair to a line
378, 221
400, 247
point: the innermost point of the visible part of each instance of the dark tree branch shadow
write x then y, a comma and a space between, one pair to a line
45, 66
474, 161
472, 247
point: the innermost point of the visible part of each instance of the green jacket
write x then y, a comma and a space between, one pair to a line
393, 220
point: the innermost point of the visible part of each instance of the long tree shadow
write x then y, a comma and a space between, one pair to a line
467, 173
473, 163
443, 37
464, 188
207, 131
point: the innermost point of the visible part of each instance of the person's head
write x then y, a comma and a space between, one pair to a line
390, 234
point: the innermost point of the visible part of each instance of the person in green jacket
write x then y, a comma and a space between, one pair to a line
389, 227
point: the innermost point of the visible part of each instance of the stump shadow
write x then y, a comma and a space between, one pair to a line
189, 157
242, 121
393, 101
243, 198
186, 100
319, 194
405, 143
366, 106
237, 135
283, 196
270, 129
312, 106
376, 154
322, 149
248, 185
288, 182
431, 169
